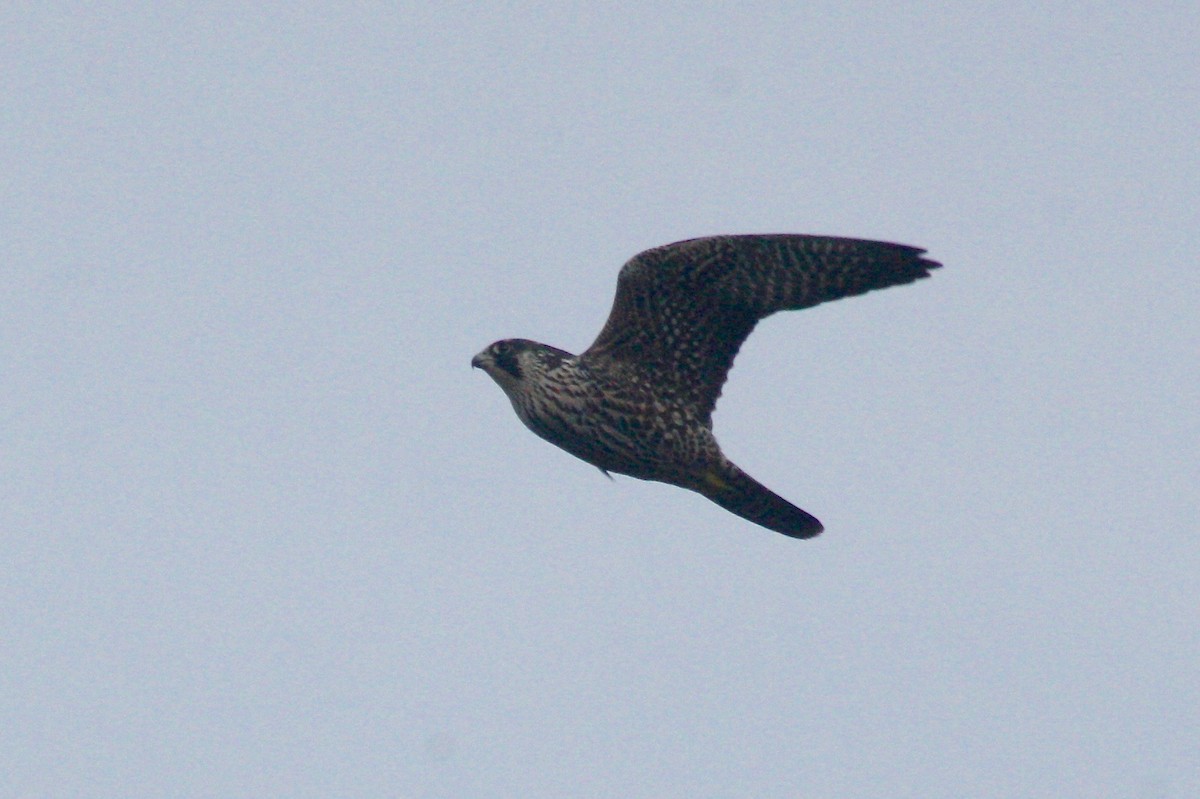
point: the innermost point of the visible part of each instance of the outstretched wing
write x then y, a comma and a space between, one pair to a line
683, 310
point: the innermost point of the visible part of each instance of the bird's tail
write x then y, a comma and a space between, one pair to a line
738, 492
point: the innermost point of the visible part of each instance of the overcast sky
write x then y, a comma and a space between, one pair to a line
265, 533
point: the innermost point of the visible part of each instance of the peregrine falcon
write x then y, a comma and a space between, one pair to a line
640, 400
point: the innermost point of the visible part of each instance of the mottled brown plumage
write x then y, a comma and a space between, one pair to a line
639, 401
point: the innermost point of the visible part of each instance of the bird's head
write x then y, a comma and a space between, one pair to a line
514, 361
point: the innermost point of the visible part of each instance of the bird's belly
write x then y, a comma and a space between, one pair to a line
647, 446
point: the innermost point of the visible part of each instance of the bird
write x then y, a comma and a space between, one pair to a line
639, 401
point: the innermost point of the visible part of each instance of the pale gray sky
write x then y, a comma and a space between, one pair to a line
265, 532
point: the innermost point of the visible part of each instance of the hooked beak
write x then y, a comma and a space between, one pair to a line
478, 361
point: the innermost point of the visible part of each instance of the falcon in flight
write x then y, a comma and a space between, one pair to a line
640, 400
